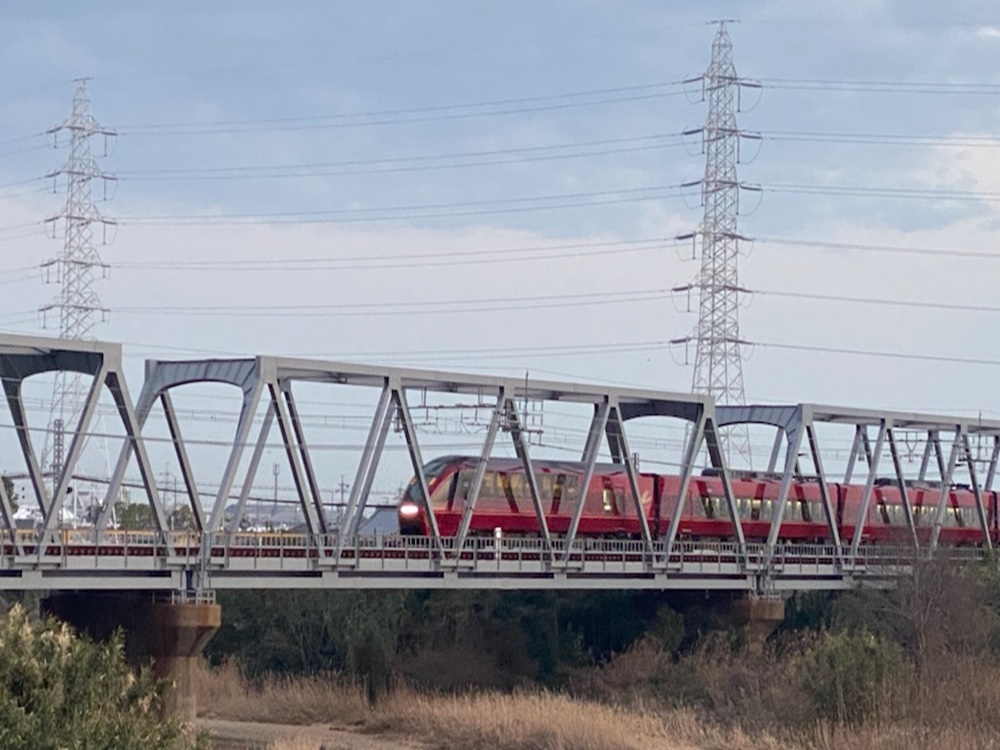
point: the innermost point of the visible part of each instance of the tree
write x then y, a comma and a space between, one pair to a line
134, 516
182, 519
58, 690
8, 485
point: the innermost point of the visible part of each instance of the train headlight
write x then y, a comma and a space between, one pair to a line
409, 510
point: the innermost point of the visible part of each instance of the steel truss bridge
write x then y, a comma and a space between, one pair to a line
217, 554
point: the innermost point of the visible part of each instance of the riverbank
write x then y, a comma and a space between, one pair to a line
754, 708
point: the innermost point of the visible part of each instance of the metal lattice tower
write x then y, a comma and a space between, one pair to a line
718, 364
77, 303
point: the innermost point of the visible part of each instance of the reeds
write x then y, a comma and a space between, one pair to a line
735, 703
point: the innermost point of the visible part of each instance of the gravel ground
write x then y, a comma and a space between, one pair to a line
241, 735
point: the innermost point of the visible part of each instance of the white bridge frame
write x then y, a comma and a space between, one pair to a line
218, 555
796, 423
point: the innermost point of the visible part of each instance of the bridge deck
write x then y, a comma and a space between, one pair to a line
78, 559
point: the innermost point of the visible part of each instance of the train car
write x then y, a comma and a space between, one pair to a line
504, 500
959, 526
706, 513
609, 512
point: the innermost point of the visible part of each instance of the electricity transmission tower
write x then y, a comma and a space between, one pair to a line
77, 303
718, 364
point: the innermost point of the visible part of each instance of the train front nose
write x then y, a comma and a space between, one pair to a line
410, 518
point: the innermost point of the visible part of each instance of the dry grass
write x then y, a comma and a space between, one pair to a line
224, 693
523, 720
960, 710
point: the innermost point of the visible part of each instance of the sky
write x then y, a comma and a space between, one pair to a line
495, 187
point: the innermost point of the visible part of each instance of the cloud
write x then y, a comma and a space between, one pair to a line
988, 32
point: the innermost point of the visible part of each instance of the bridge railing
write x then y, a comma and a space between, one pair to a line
188, 549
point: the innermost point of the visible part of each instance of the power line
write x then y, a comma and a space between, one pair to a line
878, 301
494, 304
884, 139
512, 304
535, 203
876, 248
883, 86
885, 192
393, 165
518, 254
539, 103
501, 157
487, 108
881, 353
421, 260
418, 211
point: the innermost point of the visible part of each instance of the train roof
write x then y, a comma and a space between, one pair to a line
515, 464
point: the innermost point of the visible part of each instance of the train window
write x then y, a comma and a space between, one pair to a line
544, 484
742, 507
754, 509
444, 488
505, 487
464, 485
517, 485
956, 513
707, 507
556, 491
608, 500
489, 488
884, 513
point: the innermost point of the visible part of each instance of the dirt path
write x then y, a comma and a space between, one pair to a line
244, 735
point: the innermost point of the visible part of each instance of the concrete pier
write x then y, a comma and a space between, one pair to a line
170, 634
180, 632
760, 618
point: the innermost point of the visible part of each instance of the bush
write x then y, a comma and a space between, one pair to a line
58, 690
853, 677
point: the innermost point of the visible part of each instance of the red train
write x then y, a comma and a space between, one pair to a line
609, 510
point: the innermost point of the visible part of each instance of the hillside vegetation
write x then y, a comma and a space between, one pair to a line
58, 690
914, 667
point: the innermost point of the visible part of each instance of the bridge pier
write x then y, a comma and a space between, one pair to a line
170, 634
758, 617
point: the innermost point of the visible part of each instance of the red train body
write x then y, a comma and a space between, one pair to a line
609, 510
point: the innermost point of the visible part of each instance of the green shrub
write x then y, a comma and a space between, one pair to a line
58, 690
854, 677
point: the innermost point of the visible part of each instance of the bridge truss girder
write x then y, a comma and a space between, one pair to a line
22, 357
795, 423
272, 378
216, 553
